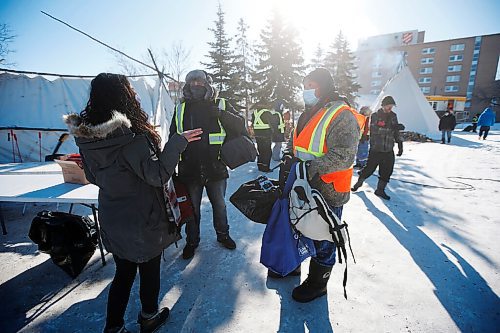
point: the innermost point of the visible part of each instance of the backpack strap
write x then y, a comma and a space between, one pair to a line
290, 180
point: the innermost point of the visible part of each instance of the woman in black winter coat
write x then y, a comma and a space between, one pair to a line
122, 155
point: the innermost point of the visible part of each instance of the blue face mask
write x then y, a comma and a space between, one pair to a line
310, 98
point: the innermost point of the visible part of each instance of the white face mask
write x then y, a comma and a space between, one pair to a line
310, 98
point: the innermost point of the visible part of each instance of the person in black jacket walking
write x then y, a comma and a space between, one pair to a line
447, 124
121, 154
200, 165
384, 132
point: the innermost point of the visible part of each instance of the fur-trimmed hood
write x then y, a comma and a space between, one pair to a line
79, 129
101, 144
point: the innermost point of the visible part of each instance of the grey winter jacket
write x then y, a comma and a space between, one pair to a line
343, 135
132, 213
383, 131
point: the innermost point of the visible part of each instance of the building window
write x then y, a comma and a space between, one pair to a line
450, 88
433, 104
424, 61
376, 74
457, 47
424, 80
375, 92
456, 57
453, 78
425, 90
428, 50
376, 83
455, 68
426, 70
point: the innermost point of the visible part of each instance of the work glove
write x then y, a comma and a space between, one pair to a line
399, 127
400, 149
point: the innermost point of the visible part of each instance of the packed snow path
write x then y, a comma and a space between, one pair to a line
427, 261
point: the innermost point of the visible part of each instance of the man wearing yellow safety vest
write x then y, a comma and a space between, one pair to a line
278, 125
326, 139
263, 127
200, 165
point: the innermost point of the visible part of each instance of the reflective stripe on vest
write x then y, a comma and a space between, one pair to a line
321, 121
281, 126
258, 124
216, 138
311, 144
179, 117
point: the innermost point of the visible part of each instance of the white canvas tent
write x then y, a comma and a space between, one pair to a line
31, 110
412, 108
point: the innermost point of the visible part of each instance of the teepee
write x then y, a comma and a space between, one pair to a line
412, 108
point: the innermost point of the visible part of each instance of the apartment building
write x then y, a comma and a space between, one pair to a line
460, 71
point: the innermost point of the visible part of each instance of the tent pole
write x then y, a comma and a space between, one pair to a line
102, 43
160, 77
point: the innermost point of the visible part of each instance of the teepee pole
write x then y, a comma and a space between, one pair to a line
108, 46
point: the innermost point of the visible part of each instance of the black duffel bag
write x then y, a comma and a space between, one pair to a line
238, 151
69, 239
255, 199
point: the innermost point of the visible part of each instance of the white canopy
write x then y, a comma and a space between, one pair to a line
412, 108
32, 109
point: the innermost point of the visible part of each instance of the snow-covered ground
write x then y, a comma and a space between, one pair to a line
426, 262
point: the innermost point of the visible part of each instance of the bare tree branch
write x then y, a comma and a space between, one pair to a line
177, 59
6, 37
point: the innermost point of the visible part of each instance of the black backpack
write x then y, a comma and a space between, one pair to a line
69, 239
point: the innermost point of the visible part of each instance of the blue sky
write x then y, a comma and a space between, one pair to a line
43, 44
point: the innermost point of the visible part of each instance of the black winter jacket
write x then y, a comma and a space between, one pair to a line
447, 122
383, 131
278, 136
200, 162
132, 213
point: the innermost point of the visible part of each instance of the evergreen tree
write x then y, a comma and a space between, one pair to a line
280, 70
243, 69
340, 62
221, 57
319, 58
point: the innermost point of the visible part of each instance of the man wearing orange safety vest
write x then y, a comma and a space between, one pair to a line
326, 139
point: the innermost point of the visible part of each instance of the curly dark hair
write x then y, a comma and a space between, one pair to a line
113, 92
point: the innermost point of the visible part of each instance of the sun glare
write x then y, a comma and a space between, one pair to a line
319, 21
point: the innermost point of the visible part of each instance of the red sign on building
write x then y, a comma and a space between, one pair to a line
407, 37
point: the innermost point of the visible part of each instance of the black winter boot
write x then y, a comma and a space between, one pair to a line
227, 241
358, 184
315, 284
380, 191
188, 251
150, 325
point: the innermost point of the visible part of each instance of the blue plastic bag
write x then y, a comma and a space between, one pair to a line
282, 250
